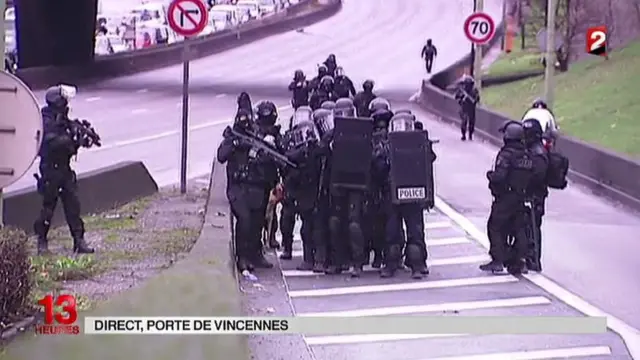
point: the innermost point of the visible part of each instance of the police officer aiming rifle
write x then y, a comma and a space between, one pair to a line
468, 97
61, 141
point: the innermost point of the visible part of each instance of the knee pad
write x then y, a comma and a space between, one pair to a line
393, 254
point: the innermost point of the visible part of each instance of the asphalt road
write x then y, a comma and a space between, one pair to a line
590, 246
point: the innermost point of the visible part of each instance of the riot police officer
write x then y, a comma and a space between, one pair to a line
540, 112
537, 192
509, 181
363, 98
343, 85
331, 64
468, 97
378, 104
322, 72
301, 185
328, 105
57, 180
247, 179
407, 211
344, 107
323, 119
323, 93
301, 90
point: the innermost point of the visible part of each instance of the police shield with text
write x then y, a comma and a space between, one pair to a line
61, 140
411, 190
350, 177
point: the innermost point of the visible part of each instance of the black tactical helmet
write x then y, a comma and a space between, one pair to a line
428, 41
367, 85
418, 125
404, 111
267, 113
539, 104
332, 58
299, 74
58, 96
512, 131
322, 70
468, 79
379, 104
345, 107
339, 71
326, 81
532, 129
343, 103
328, 105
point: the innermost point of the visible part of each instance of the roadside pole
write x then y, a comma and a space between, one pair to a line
2, 45
477, 61
187, 18
550, 60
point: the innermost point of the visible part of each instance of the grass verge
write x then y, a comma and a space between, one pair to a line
516, 62
596, 100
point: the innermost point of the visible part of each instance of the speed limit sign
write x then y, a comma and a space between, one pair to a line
479, 28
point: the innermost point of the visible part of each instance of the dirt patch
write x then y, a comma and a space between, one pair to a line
132, 244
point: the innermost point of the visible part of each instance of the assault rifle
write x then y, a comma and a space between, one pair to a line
466, 95
257, 143
84, 134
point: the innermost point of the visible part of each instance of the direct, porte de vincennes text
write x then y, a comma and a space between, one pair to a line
117, 325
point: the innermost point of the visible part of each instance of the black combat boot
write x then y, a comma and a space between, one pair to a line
416, 274
356, 271
388, 271
80, 246
534, 265
319, 268
424, 270
43, 246
305, 266
377, 261
518, 267
273, 243
243, 264
463, 137
493, 266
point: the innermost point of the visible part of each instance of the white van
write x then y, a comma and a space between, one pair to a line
251, 7
224, 16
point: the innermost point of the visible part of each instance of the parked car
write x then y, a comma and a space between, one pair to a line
224, 16
252, 7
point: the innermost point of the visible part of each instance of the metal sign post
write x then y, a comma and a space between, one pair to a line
2, 45
187, 18
479, 28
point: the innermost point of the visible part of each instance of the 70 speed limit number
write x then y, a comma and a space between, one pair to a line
479, 28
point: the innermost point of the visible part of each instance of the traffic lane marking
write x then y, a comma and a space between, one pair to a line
371, 338
573, 352
403, 286
461, 260
629, 335
430, 308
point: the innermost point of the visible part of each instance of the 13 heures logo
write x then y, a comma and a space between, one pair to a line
60, 315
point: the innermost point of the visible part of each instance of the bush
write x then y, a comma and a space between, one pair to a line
15, 279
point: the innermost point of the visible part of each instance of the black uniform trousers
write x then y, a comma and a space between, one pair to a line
346, 218
428, 63
58, 182
507, 217
468, 117
287, 223
374, 228
246, 203
321, 232
416, 249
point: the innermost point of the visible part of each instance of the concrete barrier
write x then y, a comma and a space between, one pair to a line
98, 190
604, 172
302, 14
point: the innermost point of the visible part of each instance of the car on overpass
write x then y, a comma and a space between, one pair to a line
250, 7
225, 16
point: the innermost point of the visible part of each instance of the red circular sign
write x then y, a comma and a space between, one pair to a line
479, 28
187, 17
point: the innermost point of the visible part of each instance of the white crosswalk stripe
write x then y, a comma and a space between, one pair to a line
455, 286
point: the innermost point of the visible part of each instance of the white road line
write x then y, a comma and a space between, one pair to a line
139, 111
142, 91
220, 96
372, 338
419, 285
285, 107
629, 334
92, 99
564, 353
447, 241
474, 259
437, 225
158, 136
419, 309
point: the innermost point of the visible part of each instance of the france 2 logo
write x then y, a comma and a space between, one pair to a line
597, 40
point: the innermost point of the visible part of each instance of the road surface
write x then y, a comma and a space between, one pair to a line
590, 246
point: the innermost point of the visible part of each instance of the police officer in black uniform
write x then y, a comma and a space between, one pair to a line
429, 52
363, 98
468, 97
288, 212
509, 181
247, 178
331, 64
57, 180
343, 86
322, 72
538, 191
301, 90
323, 93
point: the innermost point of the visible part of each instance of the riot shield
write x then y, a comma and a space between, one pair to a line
352, 153
411, 168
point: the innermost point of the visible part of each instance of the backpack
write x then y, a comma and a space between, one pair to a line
557, 170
